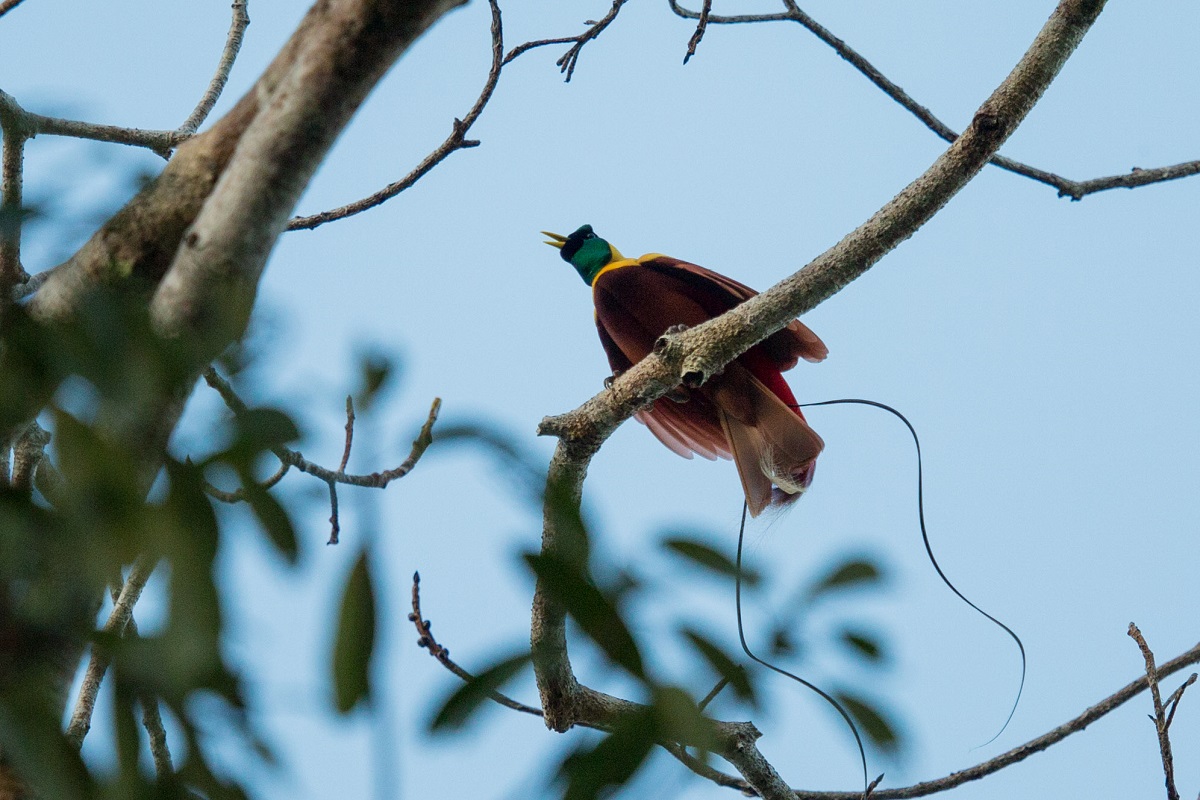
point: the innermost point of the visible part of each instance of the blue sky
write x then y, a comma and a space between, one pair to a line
1044, 350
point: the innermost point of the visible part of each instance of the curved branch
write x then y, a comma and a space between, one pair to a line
1066, 187
233, 43
694, 355
457, 140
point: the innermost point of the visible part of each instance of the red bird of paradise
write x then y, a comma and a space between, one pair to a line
748, 412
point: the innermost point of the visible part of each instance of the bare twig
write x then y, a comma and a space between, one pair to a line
1176, 696
1160, 716
1076, 190
160, 142
9, 5
335, 525
442, 654
118, 620
233, 43
457, 140
239, 495
349, 433
569, 59
701, 27
712, 695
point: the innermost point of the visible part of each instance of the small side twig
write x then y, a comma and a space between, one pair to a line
569, 59
1161, 722
349, 433
712, 695
233, 43
1176, 696
118, 620
335, 525
701, 27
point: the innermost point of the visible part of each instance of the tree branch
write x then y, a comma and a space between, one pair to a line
694, 355
118, 619
1160, 715
1043, 742
233, 43
457, 140
1066, 187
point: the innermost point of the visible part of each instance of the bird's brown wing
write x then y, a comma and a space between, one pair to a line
634, 306
718, 293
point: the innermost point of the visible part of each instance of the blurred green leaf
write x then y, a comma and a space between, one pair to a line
678, 718
260, 429
782, 643
723, 665
864, 644
850, 574
34, 745
595, 612
375, 372
591, 771
274, 519
707, 557
468, 698
355, 638
878, 730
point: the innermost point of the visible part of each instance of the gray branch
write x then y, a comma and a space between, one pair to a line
1066, 187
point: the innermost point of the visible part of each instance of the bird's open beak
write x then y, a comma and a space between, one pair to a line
556, 239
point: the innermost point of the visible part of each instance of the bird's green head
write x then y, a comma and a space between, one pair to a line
585, 251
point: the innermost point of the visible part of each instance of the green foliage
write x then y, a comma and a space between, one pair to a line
458, 708
595, 610
851, 574
96, 381
376, 371
355, 639
700, 554
871, 720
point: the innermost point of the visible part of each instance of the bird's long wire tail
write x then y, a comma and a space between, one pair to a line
862, 753
929, 548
